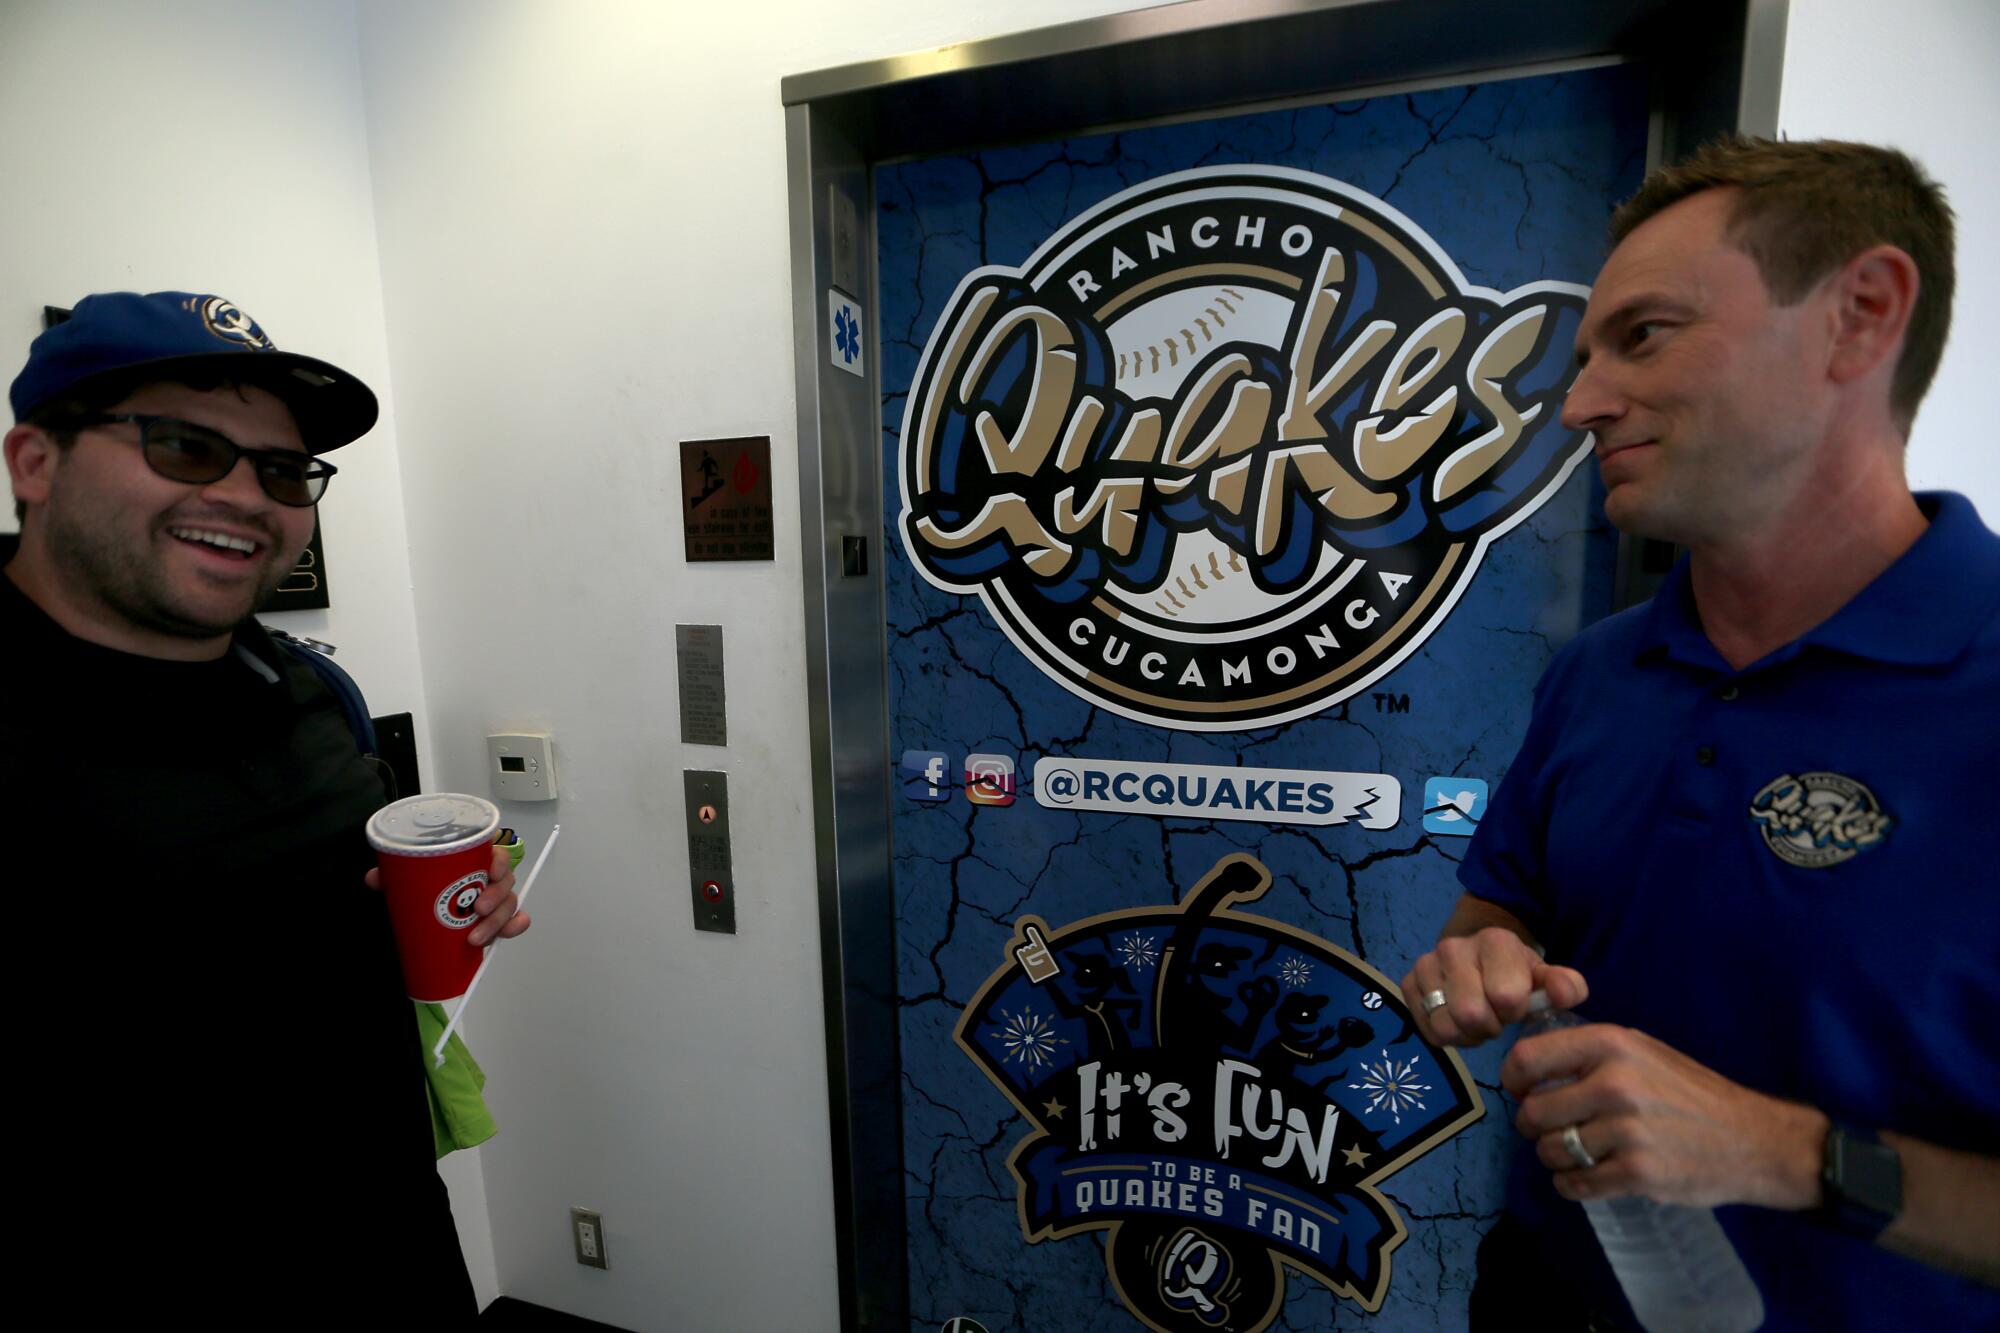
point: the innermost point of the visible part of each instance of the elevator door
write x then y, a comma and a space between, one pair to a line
1231, 521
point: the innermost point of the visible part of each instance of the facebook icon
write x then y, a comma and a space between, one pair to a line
924, 775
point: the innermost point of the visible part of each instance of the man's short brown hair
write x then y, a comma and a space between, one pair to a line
1804, 208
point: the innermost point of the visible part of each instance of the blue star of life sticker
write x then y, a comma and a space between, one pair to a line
845, 322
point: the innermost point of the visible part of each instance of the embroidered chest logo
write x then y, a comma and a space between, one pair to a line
1221, 1095
1818, 819
1229, 446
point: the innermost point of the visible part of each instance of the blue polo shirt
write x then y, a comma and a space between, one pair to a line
1788, 873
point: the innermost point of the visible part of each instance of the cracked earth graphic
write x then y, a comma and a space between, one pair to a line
1513, 180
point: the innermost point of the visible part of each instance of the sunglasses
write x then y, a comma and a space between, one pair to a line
184, 452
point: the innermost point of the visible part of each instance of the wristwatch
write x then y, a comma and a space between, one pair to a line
1861, 1179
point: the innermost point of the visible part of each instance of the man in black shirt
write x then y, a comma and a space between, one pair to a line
223, 1070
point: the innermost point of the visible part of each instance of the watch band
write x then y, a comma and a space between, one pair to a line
1861, 1181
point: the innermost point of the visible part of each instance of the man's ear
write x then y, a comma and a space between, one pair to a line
1874, 293
32, 457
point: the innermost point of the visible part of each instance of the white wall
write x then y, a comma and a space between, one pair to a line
213, 146
582, 222
1923, 75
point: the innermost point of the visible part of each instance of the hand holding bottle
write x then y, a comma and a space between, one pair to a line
1658, 1123
1676, 1265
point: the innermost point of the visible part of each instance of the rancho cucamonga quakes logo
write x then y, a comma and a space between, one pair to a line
1228, 447
1817, 820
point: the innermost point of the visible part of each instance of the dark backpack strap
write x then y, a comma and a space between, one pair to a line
338, 683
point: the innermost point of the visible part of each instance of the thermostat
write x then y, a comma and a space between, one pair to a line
524, 767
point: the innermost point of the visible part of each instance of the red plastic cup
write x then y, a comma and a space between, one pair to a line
436, 853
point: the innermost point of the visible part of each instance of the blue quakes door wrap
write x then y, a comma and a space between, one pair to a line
1232, 524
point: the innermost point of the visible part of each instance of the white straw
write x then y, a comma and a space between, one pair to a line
527, 885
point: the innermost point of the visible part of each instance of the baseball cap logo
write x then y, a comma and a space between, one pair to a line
226, 320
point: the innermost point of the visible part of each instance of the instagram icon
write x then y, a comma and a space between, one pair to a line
989, 779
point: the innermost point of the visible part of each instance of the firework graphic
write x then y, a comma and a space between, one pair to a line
1029, 1039
1391, 1086
1296, 971
1138, 951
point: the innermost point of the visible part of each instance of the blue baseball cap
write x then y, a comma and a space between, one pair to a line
116, 339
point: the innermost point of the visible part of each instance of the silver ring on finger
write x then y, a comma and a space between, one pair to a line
1573, 1141
1434, 1000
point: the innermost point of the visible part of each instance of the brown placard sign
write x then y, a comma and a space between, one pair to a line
726, 498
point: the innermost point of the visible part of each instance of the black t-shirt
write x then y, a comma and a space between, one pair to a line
221, 1068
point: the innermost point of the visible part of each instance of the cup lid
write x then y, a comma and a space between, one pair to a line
435, 825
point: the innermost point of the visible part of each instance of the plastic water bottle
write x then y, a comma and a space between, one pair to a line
1676, 1264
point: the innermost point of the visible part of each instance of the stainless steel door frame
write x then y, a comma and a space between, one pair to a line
1717, 66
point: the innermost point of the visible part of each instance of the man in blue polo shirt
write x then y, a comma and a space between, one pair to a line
1748, 833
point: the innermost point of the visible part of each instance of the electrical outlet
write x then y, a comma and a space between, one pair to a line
587, 1230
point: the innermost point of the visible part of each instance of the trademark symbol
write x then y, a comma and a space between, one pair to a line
1391, 703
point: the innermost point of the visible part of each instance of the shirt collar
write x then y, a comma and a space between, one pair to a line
1923, 610
1672, 627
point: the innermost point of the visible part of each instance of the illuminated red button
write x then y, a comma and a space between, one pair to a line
712, 891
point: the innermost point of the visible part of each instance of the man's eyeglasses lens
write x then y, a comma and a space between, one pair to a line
184, 452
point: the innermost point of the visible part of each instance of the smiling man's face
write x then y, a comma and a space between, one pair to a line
1707, 398
165, 558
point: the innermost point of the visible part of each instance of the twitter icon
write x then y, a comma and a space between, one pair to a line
1453, 807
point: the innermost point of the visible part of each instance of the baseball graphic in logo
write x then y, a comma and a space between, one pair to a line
1818, 819
455, 904
1228, 447
1221, 1094
226, 320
